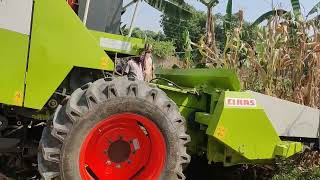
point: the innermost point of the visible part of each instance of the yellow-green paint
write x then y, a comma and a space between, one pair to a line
288, 148
136, 45
13, 60
203, 118
208, 80
59, 42
219, 152
235, 134
245, 130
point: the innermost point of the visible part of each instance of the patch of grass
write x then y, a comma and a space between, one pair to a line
304, 166
290, 172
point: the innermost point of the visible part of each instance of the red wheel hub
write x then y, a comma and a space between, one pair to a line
122, 147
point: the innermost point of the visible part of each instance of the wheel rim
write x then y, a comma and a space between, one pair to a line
123, 146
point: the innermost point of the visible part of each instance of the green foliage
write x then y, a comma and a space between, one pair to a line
162, 49
228, 17
293, 169
187, 47
315, 9
196, 26
174, 28
174, 8
209, 3
147, 34
280, 12
296, 8
289, 172
268, 15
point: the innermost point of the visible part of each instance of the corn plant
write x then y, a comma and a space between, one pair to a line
286, 71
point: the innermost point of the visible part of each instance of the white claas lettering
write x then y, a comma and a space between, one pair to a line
241, 102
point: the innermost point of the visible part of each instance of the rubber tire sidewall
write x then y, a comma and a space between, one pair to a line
69, 167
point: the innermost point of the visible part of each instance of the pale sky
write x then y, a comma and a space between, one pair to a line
149, 18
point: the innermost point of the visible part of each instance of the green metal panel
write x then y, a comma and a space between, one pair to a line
59, 42
237, 127
197, 103
119, 44
203, 118
244, 127
186, 98
13, 59
219, 152
206, 79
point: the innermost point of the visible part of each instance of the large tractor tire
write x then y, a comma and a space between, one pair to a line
115, 129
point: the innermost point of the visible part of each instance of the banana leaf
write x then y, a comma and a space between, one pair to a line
174, 8
209, 3
315, 9
268, 15
228, 16
296, 8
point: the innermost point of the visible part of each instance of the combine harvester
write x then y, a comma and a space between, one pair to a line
62, 113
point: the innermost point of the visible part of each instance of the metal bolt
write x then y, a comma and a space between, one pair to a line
118, 166
53, 103
99, 130
108, 163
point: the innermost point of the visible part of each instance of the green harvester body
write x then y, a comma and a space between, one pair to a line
231, 134
226, 124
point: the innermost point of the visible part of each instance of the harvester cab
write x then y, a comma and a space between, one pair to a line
64, 116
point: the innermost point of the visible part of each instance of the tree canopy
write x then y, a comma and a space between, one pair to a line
174, 28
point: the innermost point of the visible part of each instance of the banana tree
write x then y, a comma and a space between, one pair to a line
210, 38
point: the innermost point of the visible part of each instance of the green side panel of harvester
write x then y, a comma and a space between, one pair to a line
241, 128
119, 44
236, 133
59, 42
245, 130
13, 60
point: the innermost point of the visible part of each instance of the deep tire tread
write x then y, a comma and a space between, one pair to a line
91, 95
